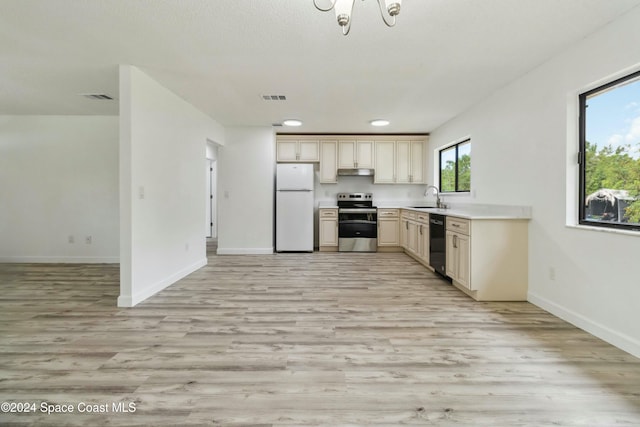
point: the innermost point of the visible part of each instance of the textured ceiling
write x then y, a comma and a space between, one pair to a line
222, 55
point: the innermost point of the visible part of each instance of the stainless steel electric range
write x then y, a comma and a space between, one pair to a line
357, 223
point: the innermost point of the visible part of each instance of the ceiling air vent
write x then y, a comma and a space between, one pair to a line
274, 97
100, 96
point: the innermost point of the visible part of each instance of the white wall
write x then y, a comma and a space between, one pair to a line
246, 177
382, 193
524, 144
162, 183
58, 178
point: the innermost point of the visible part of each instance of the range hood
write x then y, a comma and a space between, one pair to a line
355, 172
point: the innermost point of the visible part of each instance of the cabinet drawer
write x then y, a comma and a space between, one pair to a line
423, 217
328, 213
387, 213
458, 224
408, 214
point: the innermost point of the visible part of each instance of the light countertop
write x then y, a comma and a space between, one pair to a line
484, 213
468, 211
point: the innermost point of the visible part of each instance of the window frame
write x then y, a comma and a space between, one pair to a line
582, 155
456, 185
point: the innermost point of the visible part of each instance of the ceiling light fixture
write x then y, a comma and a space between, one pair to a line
379, 122
292, 122
343, 9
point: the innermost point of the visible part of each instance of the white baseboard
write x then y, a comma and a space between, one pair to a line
245, 251
60, 259
622, 341
133, 300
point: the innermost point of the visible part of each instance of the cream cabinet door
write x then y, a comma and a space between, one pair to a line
364, 154
287, 151
412, 237
452, 256
464, 260
346, 154
328, 162
388, 232
385, 165
416, 175
404, 233
308, 151
459, 258
423, 242
403, 162
328, 232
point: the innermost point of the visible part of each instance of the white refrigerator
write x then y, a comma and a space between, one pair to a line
294, 207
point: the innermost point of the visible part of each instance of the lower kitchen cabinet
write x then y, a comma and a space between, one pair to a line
328, 229
388, 229
407, 228
422, 242
488, 258
458, 253
414, 231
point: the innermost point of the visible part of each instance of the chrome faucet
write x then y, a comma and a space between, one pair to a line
436, 192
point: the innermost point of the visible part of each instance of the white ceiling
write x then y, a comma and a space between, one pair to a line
222, 55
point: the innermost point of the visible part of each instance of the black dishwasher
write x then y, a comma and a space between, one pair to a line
438, 244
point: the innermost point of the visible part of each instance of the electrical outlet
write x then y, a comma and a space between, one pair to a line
186, 247
552, 273
71, 239
88, 240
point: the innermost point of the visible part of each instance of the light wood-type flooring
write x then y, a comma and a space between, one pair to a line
299, 339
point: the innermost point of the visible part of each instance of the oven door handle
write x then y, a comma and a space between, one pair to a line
356, 221
356, 210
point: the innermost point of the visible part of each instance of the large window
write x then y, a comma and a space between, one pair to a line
455, 168
610, 154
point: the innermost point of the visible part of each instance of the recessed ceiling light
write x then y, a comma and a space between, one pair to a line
379, 122
292, 122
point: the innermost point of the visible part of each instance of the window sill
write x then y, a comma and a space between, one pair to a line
604, 230
457, 193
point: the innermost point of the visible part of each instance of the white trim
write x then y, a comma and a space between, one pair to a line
124, 301
615, 338
605, 229
60, 259
245, 251
132, 300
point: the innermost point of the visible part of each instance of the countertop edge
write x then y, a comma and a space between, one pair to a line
457, 212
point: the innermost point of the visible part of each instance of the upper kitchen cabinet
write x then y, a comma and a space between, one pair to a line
295, 149
328, 162
385, 153
401, 161
355, 153
410, 162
